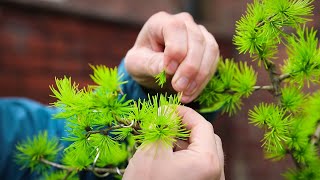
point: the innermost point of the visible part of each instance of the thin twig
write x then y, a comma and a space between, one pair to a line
283, 77
105, 170
56, 165
104, 131
268, 87
96, 169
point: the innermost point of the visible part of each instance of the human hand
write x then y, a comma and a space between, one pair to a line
187, 51
199, 159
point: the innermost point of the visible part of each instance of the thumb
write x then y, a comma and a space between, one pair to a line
147, 159
141, 62
154, 151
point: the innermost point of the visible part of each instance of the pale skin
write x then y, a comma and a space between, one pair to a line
189, 55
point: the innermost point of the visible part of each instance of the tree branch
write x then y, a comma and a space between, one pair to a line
283, 77
268, 87
103, 131
96, 169
275, 80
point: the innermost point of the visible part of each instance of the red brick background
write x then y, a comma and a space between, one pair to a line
37, 45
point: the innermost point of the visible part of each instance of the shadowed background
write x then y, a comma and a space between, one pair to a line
43, 39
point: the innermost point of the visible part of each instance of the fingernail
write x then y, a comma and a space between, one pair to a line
191, 88
185, 99
172, 67
182, 83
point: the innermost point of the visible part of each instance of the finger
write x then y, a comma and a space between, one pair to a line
166, 30
201, 139
176, 44
154, 154
184, 78
208, 65
220, 154
143, 60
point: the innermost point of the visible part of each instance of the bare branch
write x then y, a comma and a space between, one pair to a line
56, 165
96, 169
283, 77
268, 87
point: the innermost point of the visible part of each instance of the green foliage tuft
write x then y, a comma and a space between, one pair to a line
225, 90
161, 78
312, 109
292, 98
161, 121
78, 155
31, 151
303, 63
276, 123
107, 78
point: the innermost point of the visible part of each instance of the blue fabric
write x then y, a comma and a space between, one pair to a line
132, 89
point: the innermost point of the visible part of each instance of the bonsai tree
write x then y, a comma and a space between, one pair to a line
104, 129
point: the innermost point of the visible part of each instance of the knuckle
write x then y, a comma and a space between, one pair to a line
176, 23
213, 45
209, 125
174, 51
202, 27
190, 69
197, 36
185, 16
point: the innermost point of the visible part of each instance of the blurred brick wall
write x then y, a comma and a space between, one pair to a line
36, 46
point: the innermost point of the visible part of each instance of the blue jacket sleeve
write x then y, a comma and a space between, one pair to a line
132, 89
